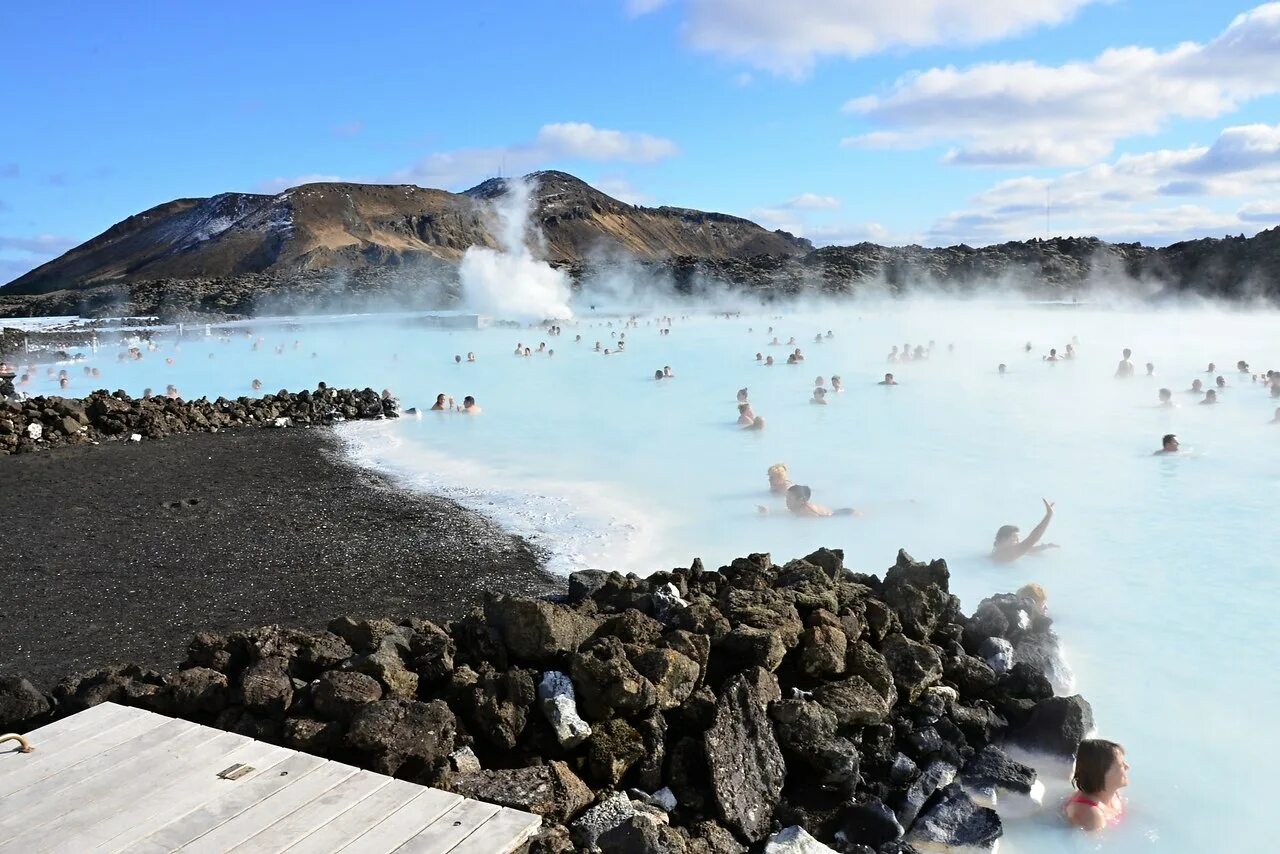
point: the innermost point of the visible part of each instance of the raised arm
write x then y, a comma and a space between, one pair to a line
1029, 543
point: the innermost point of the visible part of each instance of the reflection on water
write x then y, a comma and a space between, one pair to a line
1164, 589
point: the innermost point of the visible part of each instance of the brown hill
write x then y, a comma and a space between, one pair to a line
353, 227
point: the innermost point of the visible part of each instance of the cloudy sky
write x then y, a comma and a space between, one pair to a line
896, 121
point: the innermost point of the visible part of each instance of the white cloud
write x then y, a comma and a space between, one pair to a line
813, 201
1022, 113
554, 142
788, 38
464, 167
1157, 196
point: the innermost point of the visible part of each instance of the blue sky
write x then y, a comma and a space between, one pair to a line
936, 121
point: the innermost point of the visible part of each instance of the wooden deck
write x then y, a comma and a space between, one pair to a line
115, 778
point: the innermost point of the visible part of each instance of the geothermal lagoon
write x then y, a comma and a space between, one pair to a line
1162, 589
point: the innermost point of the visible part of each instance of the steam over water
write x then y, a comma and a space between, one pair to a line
1165, 587
513, 283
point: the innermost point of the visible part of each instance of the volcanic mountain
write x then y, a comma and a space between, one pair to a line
351, 227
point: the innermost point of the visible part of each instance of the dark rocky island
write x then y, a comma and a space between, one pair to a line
690, 711
323, 247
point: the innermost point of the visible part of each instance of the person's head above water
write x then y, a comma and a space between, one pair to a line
1166, 395
1210, 396
779, 480
1151, 369
1002, 367
1006, 535
1100, 768
658, 374
1169, 443
1196, 385
798, 496
742, 395
1221, 382
1127, 353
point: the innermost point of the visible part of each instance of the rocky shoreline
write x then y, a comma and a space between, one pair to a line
690, 711
47, 422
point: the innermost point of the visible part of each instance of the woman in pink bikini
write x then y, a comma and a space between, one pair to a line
1101, 772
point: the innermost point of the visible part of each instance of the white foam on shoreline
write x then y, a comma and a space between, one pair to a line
575, 525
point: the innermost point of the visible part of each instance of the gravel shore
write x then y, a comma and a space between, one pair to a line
122, 552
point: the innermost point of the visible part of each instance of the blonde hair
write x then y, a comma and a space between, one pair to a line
1034, 591
778, 470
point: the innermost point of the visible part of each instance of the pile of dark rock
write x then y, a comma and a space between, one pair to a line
691, 711
43, 422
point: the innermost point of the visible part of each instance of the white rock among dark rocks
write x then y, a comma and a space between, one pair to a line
558, 703
601, 818
794, 840
938, 775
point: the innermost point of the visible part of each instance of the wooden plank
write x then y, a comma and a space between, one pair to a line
449, 829
112, 743
345, 828
271, 809
505, 832
64, 733
195, 790
228, 804
397, 828
90, 797
314, 815
134, 796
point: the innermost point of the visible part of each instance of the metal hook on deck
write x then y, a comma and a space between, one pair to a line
24, 746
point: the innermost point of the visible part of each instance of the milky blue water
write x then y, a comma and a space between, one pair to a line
1164, 589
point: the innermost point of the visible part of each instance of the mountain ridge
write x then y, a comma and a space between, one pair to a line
232, 253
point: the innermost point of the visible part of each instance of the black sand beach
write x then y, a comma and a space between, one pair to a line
120, 553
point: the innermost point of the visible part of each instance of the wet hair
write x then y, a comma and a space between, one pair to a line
1005, 532
800, 493
468, 400
658, 374
778, 470
1167, 438
743, 407
1093, 760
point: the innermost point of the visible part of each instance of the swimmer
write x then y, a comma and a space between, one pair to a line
1242, 366
1196, 387
775, 343
1002, 368
745, 415
1100, 773
1071, 352
439, 405
257, 385
1053, 355
1168, 445
756, 424
830, 334
1221, 382
63, 382
893, 354
837, 384
1210, 396
759, 357
1008, 547
791, 342
819, 382
1211, 369
658, 375
667, 372
469, 406
798, 356
742, 395
1166, 397
798, 502
171, 392
819, 396
778, 480
1124, 370
1028, 347
527, 352
471, 357
768, 363
457, 360
1151, 369
888, 380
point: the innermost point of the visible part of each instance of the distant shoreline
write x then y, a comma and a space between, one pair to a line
101, 570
